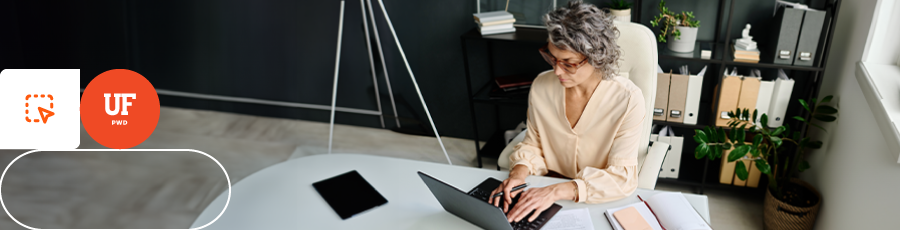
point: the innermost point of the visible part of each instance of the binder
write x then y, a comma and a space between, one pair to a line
749, 93
692, 100
781, 46
672, 162
762, 101
662, 95
728, 176
728, 99
781, 96
677, 94
808, 42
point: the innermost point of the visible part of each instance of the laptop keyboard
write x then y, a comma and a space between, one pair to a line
483, 192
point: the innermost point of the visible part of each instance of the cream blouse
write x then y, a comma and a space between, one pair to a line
600, 152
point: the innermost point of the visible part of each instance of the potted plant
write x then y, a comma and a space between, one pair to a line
681, 29
778, 153
621, 9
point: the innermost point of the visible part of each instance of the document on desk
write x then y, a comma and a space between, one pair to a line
572, 219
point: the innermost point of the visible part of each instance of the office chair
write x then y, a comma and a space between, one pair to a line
638, 63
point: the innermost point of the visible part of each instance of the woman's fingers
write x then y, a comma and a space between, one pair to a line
523, 206
506, 192
538, 211
495, 200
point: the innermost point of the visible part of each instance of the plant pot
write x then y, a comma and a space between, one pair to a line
779, 215
621, 15
686, 42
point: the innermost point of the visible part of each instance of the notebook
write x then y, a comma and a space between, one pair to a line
665, 210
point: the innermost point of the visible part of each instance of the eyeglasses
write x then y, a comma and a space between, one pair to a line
568, 67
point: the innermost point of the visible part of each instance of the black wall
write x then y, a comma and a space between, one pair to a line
284, 51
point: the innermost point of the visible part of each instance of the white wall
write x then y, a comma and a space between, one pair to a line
859, 181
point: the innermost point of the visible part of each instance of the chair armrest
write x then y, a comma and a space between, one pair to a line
503, 160
652, 163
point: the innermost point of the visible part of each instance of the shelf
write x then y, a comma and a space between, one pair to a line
532, 35
767, 64
663, 51
679, 125
483, 95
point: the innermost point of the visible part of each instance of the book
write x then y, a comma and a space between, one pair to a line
492, 16
738, 50
745, 56
665, 210
514, 80
499, 31
746, 60
495, 27
507, 21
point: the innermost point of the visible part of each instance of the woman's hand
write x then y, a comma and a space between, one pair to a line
516, 177
540, 199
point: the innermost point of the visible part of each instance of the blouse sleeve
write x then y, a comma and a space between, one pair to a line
528, 152
620, 178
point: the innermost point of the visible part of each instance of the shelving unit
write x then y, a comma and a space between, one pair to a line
699, 173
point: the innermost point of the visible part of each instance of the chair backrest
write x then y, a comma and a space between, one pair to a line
638, 63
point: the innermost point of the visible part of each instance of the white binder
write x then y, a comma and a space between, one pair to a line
781, 96
672, 163
692, 101
762, 101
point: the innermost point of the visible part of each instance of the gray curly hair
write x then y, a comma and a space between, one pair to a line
585, 29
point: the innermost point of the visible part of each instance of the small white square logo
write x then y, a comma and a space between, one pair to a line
39, 108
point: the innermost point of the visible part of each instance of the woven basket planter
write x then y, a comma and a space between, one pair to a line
778, 215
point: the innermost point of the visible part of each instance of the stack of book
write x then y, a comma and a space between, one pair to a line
496, 22
745, 54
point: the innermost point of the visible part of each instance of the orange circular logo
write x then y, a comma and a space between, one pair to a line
119, 109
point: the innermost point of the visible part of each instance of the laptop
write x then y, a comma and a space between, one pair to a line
474, 208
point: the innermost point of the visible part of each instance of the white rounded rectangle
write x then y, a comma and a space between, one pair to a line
3, 175
39, 108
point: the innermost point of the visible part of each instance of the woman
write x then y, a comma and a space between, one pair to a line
583, 121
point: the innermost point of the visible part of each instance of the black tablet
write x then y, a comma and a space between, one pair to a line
349, 194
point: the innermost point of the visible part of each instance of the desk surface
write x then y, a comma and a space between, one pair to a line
282, 197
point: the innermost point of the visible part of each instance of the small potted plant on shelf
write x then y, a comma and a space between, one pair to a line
621, 9
778, 153
679, 30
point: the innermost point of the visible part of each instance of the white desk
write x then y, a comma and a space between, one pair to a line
282, 196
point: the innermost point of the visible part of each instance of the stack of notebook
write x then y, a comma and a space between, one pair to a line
742, 54
496, 22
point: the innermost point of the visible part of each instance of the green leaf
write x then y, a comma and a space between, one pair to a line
787, 130
805, 106
815, 145
726, 146
817, 126
754, 152
697, 138
778, 130
796, 136
700, 134
701, 151
721, 133
764, 120
824, 109
827, 99
754, 115
803, 166
711, 134
738, 152
776, 140
742, 132
763, 166
745, 115
799, 118
741, 170
718, 152
825, 118
757, 139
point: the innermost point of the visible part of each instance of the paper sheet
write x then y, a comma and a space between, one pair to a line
572, 219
